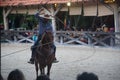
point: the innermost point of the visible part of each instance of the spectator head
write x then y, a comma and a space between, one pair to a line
43, 77
87, 76
16, 75
1, 78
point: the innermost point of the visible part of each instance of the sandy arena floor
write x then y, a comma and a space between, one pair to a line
104, 62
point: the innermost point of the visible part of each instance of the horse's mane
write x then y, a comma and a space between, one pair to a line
47, 38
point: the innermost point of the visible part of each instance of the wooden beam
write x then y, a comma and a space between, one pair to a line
5, 14
47, 10
9, 10
59, 8
53, 21
5, 20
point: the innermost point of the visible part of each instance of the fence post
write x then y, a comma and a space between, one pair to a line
61, 38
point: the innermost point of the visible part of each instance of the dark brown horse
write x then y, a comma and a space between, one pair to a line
45, 54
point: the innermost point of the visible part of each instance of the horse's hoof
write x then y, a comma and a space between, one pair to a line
55, 61
31, 62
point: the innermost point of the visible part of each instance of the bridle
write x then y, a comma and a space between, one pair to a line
43, 44
43, 38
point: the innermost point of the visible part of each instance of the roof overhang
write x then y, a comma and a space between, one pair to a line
4, 3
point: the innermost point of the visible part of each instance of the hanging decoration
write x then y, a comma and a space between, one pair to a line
27, 12
67, 17
95, 18
66, 21
82, 8
97, 9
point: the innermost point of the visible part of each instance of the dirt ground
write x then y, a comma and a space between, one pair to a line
73, 60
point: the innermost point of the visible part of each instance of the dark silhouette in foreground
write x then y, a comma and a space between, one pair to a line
16, 75
43, 77
87, 76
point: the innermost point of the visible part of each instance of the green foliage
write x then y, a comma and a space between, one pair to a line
1, 15
80, 21
23, 20
24, 25
30, 18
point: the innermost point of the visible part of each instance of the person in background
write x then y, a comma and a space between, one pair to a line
34, 37
112, 29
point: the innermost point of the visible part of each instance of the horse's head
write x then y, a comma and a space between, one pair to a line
47, 38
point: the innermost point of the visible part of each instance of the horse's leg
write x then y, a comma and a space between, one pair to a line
41, 70
48, 69
44, 70
36, 67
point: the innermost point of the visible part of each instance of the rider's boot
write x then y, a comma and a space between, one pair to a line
55, 60
31, 61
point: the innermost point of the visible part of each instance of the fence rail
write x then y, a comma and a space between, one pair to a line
109, 39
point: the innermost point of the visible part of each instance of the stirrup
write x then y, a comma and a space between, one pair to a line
55, 61
32, 47
31, 62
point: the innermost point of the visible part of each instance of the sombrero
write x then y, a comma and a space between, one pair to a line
44, 13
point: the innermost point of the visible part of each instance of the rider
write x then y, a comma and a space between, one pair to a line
44, 24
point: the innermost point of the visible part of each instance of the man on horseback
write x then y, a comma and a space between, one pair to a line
44, 25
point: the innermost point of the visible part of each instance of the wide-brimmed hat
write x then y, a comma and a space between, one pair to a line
45, 14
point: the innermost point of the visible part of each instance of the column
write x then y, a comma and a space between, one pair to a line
5, 14
116, 19
116, 22
5, 20
53, 21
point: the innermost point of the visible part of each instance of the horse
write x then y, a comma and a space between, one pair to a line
45, 54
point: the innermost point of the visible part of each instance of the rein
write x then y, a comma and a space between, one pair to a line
43, 44
42, 40
47, 43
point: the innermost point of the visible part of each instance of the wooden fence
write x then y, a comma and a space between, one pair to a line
110, 39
